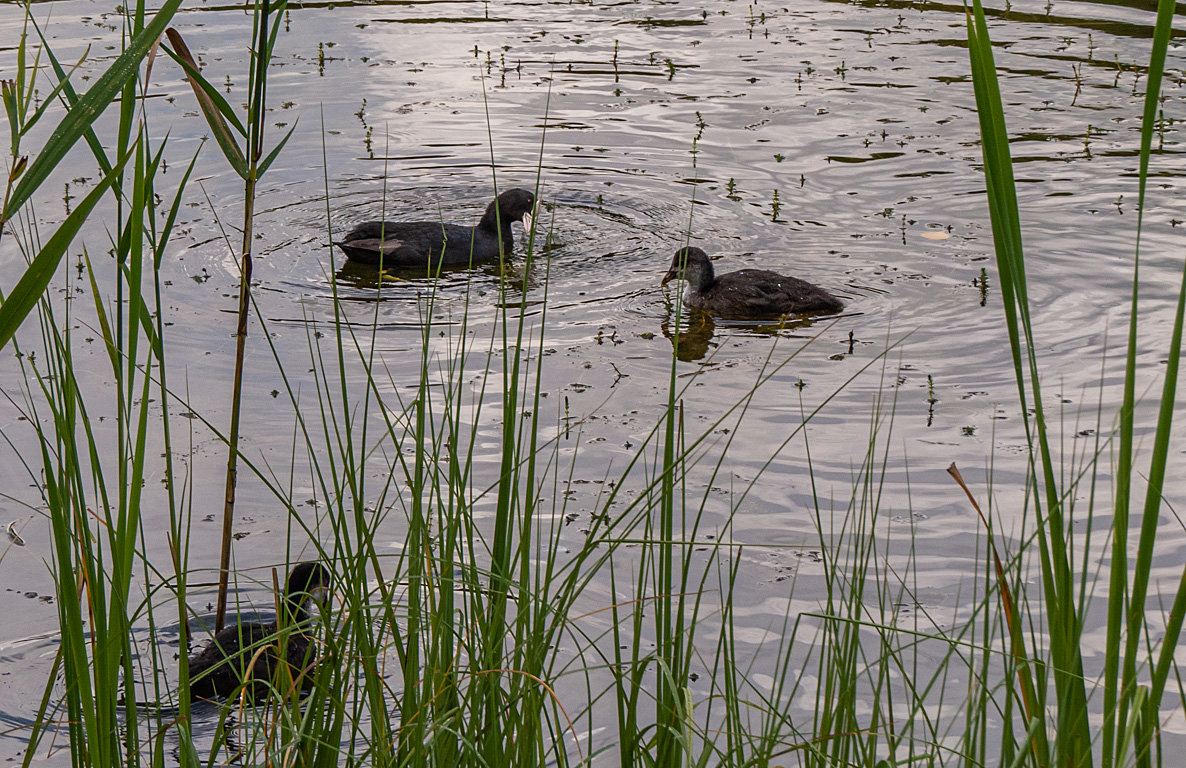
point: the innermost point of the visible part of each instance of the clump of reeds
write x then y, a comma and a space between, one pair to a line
477, 643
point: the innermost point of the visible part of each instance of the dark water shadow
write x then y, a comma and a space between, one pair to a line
506, 282
692, 337
369, 283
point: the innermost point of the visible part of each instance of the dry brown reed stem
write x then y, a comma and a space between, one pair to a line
1028, 696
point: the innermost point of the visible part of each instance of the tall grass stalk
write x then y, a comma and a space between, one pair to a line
24, 177
463, 625
95, 519
481, 639
249, 163
1130, 708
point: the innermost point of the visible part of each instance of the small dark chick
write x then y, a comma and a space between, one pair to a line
248, 653
747, 293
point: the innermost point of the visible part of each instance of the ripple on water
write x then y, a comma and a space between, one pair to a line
835, 141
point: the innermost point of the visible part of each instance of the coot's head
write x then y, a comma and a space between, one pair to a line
690, 264
512, 205
308, 581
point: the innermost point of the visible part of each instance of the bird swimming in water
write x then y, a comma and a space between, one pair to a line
396, 244
247, 654
747, 293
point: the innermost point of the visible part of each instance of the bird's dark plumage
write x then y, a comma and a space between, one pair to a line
230, 660
747, 293
396, 244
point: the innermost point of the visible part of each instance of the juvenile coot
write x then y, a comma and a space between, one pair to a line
747, 293
428, 243
225, 663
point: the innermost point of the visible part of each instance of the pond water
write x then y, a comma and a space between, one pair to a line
836, 141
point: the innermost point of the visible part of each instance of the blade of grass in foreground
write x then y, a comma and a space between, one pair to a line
1130, 710
86, 110
249, 163
218, 113
32, 284
1121, 694
1073, 742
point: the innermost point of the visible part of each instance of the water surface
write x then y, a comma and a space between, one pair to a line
836, 141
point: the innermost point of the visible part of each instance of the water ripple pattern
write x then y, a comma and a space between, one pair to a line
835, 140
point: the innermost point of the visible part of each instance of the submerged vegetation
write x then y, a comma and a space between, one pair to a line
494, 633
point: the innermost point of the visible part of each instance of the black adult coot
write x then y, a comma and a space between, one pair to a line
225, 663
422, 243
747, 293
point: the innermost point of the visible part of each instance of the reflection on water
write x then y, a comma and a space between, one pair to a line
365, 277
693, 341
823, 140
366, 282
692, 336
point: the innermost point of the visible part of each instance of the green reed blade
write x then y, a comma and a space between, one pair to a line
33, 282
166, 230
10, 95
87, 109
1150, 517
1062, 621
71, 97
267, 161
49, 99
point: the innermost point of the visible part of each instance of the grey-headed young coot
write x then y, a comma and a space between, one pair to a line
428, 243
225, 664
747, 293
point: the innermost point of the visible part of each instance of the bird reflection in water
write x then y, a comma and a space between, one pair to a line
692, 338
693, 341
480, 278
